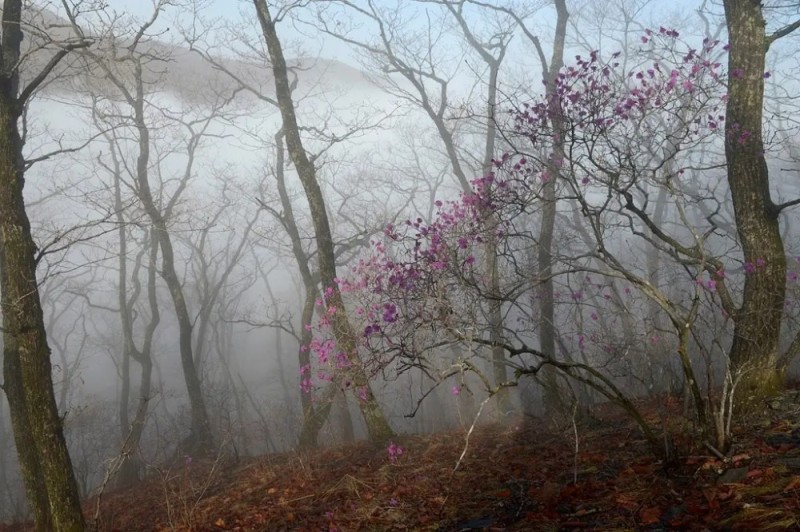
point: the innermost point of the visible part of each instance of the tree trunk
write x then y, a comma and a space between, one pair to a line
377, 426
496, 325
200, 439
131, 433
312, 422
35, 489
754, 351
313, 418
45, 462
547, 331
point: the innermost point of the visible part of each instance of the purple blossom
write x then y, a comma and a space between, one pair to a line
389, 312
395, 452
362, 393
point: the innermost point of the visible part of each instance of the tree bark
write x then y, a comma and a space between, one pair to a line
547, 330
377, 426
754, 351
47, 470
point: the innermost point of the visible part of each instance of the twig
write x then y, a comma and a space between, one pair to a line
115, 464
469, 433
715, 451
575, 432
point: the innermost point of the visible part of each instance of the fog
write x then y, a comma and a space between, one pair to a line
387, 144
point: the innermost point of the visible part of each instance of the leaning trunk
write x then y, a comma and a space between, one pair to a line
377, 426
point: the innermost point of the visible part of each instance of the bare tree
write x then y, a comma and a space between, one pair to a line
130, 71
377, 426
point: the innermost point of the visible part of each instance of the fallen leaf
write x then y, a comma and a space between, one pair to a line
754, 473
650, 516
626, 503
793, 484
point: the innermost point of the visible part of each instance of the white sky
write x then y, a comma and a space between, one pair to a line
663, 12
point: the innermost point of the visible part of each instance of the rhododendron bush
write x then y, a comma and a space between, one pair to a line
614, 141
420, 287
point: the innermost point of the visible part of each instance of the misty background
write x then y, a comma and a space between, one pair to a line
392, 110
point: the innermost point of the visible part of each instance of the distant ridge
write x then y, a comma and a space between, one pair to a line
174, 68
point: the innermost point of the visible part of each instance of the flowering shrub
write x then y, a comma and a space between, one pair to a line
424, 285
412, 281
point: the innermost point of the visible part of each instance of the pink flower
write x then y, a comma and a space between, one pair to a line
395, 451
362, 393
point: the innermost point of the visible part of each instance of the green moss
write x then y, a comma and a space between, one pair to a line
756, 387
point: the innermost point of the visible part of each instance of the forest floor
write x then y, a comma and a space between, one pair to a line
513, 476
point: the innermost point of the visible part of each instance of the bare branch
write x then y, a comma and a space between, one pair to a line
783, 32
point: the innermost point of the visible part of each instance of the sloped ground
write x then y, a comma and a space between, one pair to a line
512, 478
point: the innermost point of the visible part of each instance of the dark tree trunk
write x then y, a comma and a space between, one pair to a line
754, 352
35, 489
47, 470
200, 439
